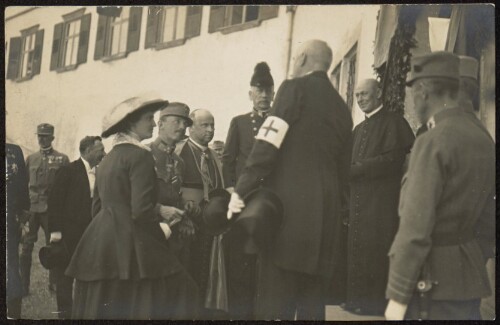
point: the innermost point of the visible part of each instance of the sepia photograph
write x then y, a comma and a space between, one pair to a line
327, 162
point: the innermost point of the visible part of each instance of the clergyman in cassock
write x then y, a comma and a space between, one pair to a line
69, 211
169, 170
447, 204
381, 143
302, 153
203, 173
241, 273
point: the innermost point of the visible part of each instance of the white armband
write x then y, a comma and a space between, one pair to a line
273, 131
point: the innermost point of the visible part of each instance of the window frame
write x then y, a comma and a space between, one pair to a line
227, 17
108, 48
37, 35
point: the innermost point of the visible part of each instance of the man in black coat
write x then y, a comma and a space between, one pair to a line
69, 210
240, 139
381, 143
18, 205
302, 153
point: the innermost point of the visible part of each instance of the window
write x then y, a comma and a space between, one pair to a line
170, 26
343, 77
229, 19
71, 41
118, 35
25, 54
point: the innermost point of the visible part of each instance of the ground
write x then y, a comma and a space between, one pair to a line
41, 303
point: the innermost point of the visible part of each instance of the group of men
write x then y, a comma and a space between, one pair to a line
355, 230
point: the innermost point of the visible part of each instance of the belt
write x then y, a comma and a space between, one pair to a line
452, 239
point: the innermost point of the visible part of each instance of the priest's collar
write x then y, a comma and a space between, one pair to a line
202, 147
375, 111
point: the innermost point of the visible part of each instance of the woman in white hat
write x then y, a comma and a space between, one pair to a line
123, 266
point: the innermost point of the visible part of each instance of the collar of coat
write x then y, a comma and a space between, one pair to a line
121, 138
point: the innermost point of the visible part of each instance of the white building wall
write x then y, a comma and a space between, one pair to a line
210, 71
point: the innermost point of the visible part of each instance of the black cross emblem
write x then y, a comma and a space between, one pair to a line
270, 128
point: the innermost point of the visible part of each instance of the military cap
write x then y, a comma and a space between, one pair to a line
262, 76
121, 111
45, 129
468, 67
177, 109
434, 65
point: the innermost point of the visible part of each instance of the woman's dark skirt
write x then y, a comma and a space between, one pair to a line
172, 297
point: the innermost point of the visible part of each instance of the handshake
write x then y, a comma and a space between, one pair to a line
172, 216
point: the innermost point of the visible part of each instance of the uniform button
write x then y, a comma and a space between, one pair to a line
255, 129
253, 121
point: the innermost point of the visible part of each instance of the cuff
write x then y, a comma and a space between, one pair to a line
166, 229
55, 236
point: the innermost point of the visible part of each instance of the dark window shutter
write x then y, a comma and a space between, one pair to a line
83, 45
152, 26
37, 58
193, 21
216, 18
57, 44
134, 29
14, 56
267, 12
100, 39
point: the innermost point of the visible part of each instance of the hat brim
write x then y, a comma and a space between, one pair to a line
150, 106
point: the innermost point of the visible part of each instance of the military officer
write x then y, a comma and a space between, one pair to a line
174, 119
447, 204
42, 167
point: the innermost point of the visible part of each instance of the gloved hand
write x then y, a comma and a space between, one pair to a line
55, 237
236, 204
171, 215
395, 310
230, 189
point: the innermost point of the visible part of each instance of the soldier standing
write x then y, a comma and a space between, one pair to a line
42, 167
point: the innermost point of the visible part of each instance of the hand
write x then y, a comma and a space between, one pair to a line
55, 237
230, 189
235, 205
186, 228
395, 310
192, 209
25, 229
171, 215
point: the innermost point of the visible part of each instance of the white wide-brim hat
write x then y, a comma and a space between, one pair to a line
118, 113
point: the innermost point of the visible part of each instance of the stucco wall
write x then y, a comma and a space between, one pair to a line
210, 71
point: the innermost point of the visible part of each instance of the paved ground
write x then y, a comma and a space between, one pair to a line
41, 304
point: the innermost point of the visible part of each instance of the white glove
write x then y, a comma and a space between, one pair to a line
395, 310
171, 215
166, 229
55, 237
230, 189
236, 204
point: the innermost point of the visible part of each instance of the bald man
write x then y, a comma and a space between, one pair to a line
381, 143
302, 153
202, 174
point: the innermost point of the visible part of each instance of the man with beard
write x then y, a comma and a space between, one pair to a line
69, 211
203, 173
240, 139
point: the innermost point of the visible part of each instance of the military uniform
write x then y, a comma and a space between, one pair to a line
42, 167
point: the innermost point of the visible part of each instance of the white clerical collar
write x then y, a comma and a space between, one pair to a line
86, 164
203, 148
375, 111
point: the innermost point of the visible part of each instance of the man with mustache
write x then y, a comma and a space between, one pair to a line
240, 139
203, 173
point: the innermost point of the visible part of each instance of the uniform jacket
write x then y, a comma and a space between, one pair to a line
70, 203
124, 240
239, 143
42, 168
447, 211
309, 172
381, 144
17, 199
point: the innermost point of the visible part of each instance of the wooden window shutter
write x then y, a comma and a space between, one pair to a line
266, 12
56, 46
14, 56
134, 29
152, 26
83, 45
100, 39
217, 14
37, 56
193, 21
